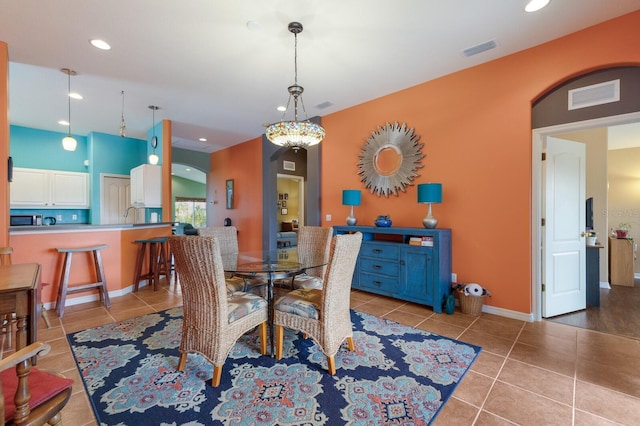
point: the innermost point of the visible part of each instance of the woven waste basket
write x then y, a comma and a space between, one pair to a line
470, 304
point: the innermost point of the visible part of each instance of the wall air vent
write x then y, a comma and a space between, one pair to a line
482, 47
595, 94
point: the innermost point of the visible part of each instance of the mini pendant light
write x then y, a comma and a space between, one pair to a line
153, 157
123, 126
68, 142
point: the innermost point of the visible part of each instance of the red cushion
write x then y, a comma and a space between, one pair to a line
42, 386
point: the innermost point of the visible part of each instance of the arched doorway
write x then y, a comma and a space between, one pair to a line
551, 115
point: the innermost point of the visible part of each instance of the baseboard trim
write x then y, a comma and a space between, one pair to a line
91, 298
508, 313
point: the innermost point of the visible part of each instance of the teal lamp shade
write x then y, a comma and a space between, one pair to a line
430, 193
351, 197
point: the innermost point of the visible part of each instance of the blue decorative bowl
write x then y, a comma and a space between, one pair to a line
382, 223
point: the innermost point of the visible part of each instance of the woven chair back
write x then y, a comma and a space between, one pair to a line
227, 237
315, 241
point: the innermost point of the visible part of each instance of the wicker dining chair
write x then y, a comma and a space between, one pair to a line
323, 314
312, 241
228, 239
214, 319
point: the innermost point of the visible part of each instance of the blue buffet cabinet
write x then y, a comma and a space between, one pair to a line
390, 266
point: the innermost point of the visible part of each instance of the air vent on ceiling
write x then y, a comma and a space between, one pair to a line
482, 47
324, 105
595, 94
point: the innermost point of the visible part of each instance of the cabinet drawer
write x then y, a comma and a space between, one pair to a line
378, 282
379, 250
379, 266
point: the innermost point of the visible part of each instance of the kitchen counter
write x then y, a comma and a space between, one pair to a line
38, 244
84, 227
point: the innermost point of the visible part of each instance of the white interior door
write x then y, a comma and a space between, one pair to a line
116, 198
564, 271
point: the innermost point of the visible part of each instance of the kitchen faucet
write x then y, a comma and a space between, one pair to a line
126, 213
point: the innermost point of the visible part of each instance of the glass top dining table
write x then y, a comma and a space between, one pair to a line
271, 265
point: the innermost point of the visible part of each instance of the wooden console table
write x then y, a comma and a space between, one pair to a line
389, 265
19, 286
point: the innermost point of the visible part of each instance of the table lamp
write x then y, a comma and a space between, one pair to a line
351, 197
430, 193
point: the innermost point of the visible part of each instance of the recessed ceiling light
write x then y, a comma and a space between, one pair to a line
100, 44
202, 139
63, 122
535, 5
282, 108
75, 95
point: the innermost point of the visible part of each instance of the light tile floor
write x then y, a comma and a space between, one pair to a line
540, 373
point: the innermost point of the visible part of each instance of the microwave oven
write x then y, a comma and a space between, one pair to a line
25, 220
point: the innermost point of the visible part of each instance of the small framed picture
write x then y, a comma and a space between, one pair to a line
280, 196
286, 196
283, 204
229, 193
284, 211
289, 165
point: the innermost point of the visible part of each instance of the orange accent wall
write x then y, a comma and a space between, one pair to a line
166, 171
243, 164
476, 127
4, 142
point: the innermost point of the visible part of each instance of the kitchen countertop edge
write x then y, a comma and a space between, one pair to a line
83, 227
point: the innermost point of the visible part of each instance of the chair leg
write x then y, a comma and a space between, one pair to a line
43, 312
350, 344
331, 365
263, 338
183, 361
279, 341
217, 374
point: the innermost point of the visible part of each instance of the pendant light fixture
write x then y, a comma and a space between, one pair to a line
153, 157
123, 126
295, 134
68, 142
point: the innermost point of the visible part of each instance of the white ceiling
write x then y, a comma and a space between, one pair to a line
216, 78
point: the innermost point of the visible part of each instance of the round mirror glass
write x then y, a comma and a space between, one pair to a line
387, 160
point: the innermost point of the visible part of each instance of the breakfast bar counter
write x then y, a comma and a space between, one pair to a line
37, 244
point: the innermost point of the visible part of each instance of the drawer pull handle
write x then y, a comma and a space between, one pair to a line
378, 283
377, 267
377, 251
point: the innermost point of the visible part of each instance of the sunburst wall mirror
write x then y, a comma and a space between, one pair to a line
390, 159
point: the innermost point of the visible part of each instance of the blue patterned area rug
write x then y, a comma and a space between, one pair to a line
397, 375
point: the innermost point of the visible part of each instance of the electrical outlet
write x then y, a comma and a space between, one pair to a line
328, 218
59, 217
74, 217
454, 277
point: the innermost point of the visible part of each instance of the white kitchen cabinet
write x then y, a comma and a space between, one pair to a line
56, 189
146, 186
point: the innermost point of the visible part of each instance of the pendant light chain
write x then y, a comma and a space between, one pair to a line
123, 126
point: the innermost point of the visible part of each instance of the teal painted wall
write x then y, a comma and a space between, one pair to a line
42, 149
181, 187
111, 154
105, 153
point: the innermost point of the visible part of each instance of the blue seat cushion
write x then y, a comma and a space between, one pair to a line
302, 302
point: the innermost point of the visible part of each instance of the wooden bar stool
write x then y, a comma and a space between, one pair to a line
100, 284
158, 263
